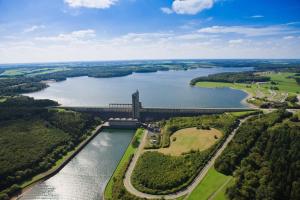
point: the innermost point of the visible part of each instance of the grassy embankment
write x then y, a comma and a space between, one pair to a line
213, 186
121, 168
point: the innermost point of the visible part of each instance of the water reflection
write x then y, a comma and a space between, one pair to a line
85, 176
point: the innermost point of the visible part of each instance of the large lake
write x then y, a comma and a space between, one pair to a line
86, 175
160, 89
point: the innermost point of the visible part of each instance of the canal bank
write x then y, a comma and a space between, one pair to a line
86, 174
55, 169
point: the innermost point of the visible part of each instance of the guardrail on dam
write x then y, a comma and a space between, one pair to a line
148, 114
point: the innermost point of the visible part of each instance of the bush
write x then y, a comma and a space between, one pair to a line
4, 196
292, 99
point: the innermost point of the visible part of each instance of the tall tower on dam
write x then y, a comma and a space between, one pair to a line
136, 105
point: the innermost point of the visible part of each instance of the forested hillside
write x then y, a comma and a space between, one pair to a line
264, 158
33, 138
232, 77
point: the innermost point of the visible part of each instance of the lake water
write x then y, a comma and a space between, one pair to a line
160, 89
85, 176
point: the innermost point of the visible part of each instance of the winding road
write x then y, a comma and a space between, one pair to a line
186, 191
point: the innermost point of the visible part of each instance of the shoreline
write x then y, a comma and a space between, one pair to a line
249, 96
53, 171
243, 101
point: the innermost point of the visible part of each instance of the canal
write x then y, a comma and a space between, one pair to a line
86, 175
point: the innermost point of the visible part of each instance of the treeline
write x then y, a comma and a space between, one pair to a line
157, 173
244, 140
18, 84
33, 138
264, 158
232, 77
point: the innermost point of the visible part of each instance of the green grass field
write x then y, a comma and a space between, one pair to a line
185, 140
285, 84
212, 187
253, 89
128, 153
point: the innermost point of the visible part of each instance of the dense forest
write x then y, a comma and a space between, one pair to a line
232, 77
157, 173
33, 138
264, 158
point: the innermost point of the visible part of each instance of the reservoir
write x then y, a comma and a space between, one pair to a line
86, 175
160, 89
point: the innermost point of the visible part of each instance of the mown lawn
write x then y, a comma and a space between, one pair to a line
212, 183
185, 140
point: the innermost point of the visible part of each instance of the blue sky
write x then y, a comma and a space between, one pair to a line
68, 30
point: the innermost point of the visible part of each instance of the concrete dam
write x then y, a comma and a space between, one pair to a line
136, 111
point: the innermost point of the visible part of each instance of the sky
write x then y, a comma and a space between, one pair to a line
91, 30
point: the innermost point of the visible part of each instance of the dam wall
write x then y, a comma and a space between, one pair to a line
150, 114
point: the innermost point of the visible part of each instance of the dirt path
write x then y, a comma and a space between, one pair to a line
127, 180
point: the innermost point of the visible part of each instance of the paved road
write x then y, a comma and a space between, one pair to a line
127, 181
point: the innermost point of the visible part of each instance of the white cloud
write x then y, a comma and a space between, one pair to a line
86, 45
248, 30
80, 35
288, 37
194, 36
166, 10
257, 16
33, 28
237, 41
100, 4
188, 7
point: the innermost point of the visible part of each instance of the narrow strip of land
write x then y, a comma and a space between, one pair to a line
130, 188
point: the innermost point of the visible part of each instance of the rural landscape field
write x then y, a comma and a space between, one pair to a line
139, 99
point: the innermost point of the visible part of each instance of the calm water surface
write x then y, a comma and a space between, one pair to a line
85, 176
160, 89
